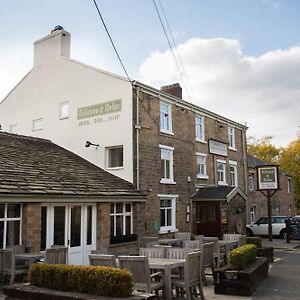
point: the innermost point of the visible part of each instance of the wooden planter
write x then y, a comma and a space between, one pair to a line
243, 282
26, 291
266, 252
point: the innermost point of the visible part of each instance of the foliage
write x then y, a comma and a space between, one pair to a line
242, 256
290, 163
105, 281
263, 149
254, 240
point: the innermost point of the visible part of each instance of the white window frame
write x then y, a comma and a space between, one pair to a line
251, 181
203, 156
61, 105
38, 124
170, 150
107, 150
231, 138
165, 118
172, 227
253, 213
233, 165
124, 214
223, 164
6, 219
200, 128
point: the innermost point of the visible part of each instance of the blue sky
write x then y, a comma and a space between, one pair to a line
256, 42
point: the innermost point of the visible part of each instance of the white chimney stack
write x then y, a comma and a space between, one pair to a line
52, 46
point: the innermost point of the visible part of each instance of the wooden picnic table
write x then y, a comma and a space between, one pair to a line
170, 242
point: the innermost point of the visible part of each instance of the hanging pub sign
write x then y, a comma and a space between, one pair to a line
267, 178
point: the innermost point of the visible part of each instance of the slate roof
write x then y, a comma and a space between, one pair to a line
253, 161
217, 193
34, 166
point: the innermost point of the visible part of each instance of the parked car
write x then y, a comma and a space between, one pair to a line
296, 219
260, 227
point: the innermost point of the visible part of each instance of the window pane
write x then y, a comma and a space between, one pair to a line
13, 233
43, 227
115, 157
128, 225
112, 226
1, 234
169, 217
2, 207
112, 207
202, 214
128, 207
75, 226
59, 225
119, 225
162, 217
119, 208
89, 225
13, 210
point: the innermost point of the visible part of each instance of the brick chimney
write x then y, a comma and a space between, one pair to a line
52, 46
173, 89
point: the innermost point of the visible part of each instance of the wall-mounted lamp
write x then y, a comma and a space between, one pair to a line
88, 144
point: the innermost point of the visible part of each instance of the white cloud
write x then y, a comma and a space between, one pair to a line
263, 91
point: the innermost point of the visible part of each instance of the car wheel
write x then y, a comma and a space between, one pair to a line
249, 232
283, 234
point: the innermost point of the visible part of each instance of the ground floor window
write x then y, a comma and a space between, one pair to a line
167, 213
10, 224
121, 223
253, 214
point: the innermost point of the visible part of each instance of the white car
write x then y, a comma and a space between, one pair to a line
260, 227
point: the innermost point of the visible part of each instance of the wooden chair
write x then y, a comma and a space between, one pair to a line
192, 245
56, 255
239, 238
148, 241
155, 252
191, 283
8, 265
199, 237
218, 256
143, 280
177, 253
207, 260
103, 260
184, 236
17, 249
100, 250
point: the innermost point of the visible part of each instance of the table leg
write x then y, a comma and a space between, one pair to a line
168, 284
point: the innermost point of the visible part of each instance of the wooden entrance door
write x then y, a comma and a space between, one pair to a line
208, 218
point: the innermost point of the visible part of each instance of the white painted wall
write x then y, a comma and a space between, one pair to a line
59, 79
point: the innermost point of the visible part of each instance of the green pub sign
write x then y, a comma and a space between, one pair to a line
267, 178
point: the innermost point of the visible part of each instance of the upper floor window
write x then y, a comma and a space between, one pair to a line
231, 138
37, 124
166, 158
13, 128
251, 182
64, 110
233, 173
199, 128
201, 163
165, 117
114, 157
221, 172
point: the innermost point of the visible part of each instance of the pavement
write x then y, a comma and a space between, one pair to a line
283, 282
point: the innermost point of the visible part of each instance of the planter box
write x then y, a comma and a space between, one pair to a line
244, 282
30, 292
266, 252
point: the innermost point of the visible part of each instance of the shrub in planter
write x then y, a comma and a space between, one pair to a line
240, 257
105, 281
255, 240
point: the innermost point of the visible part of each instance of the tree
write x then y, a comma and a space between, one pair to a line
290, 163
263, 149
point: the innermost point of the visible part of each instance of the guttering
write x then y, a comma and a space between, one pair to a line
182, 103
137, 128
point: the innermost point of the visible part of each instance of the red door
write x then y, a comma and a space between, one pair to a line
208, 220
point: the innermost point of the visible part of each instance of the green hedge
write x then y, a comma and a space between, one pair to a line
242, 256
255, 240
105, 281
